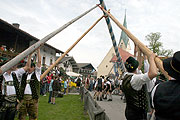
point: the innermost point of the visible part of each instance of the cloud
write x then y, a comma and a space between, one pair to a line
42, 17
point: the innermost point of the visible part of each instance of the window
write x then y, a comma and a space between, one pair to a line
51, 61
44, 60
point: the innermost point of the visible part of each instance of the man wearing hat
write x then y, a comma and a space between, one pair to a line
135, 88
166, 96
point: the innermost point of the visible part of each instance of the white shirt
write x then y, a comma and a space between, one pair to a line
138, 80
38, 74
10, 90
152, 94
108, 82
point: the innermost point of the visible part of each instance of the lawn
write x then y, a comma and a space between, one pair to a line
69, 107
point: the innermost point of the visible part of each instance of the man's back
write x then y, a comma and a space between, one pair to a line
167, 100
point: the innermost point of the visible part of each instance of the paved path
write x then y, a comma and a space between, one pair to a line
114, 109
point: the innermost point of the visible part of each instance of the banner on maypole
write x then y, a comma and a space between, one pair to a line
32, 48
119, 59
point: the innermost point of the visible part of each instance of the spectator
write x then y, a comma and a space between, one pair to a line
55, 87
51, 90
87, 82
91, 84
78, 83
65, 86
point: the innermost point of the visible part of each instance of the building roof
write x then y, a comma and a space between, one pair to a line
124, 36
83, 65
12, 29
124, 55
70, 59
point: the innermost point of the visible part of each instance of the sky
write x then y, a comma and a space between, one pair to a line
41, 17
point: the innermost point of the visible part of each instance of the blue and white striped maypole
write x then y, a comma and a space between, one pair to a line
119, 59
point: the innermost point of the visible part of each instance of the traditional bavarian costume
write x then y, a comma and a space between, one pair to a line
30, 90
10, 93
166, 95
135, 88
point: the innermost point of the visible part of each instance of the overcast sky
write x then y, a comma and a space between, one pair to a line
40, 17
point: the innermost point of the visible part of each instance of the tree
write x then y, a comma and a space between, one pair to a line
156, 46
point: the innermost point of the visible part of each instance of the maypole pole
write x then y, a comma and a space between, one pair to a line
32, 48
68, 50
140, 45
119, 59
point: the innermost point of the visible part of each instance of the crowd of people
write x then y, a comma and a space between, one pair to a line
149, 91
143, 87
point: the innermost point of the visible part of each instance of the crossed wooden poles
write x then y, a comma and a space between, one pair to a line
107, 14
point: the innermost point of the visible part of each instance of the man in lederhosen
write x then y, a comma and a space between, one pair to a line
134, 88
30, 90
10, 93
166, 95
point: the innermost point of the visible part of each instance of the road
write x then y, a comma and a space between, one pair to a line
114, 109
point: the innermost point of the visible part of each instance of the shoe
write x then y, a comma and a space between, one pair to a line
44, 95
100, 99
110, 100
97, 98
54, 103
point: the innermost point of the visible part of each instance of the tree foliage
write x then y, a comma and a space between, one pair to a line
156, 46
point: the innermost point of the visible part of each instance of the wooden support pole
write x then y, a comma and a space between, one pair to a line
141, 46
32, 48
68, 50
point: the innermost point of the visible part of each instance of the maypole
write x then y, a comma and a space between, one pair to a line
140, 45
68, 50
32, 48
119, 59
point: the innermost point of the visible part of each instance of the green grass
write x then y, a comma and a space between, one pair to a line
69, 107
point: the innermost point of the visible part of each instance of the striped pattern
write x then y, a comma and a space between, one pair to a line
120, 61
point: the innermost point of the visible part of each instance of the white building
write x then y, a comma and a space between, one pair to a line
48, 53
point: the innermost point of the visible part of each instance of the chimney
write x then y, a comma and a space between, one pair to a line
16, 25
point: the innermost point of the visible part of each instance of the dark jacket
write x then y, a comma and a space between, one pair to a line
55, 85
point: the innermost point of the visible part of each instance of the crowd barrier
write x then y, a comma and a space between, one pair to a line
91, 107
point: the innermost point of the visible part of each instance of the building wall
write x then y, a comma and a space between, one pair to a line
68, 68
123, 46
106, 67
48, 53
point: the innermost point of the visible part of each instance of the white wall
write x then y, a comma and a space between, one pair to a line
46, 52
